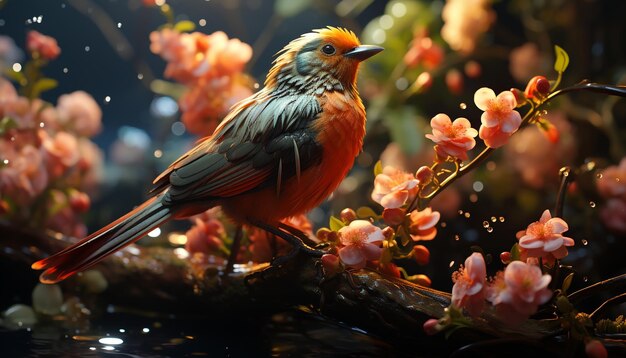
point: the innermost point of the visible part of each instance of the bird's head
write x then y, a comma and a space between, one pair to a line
332, 51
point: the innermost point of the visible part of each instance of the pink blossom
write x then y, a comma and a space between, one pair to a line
469, 285
360, 241
393, 188
526, 152
79, 113
464, 22
195, 55
500, 119
61, 153
452, 138
519, 291
612, 184
42, 45
422, 226
544, 238
205, 236
613, 215
23, 177
207, 101
424, 51
527, 61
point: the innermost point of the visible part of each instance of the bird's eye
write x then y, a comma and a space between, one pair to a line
328, 50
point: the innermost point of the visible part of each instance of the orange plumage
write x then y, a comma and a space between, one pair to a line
278, 153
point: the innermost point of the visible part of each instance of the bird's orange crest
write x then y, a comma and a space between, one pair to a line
340, 37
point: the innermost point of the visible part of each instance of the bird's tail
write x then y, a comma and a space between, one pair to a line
95, 247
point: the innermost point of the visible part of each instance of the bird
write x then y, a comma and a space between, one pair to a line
276, 154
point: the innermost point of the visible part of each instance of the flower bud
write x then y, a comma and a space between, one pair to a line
421, 254
389, 269
331, 265
431, 327
347, 215
79, 201
520, 97
472, 69
420, 279
454, 81
424, 174
394, 216
538, 87
323, 234
595, 349
505, 257
388, 233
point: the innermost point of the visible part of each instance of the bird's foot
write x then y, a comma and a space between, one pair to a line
299, 240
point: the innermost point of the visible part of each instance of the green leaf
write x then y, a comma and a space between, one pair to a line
44, 84
7, 123
365, 212
562, 59
16, 76
378, 168
335, 224
289, 8
185, 26
567, 283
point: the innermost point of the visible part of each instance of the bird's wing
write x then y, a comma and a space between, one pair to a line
262, 143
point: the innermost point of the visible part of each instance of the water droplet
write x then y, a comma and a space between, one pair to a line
119, 25
202, 22
501, 218
490, 229
494, 219
463, 106
65, 70
145, 330
42, 124
467, 215
585, 278
460, 212
599, 175
107, 99
17, 67
592, 204
140, 76
122, 330
451, 263
87, 48
158, 153
584, 242
485, 224
617, 179
457, 238
473, 197
444, 224
544, 112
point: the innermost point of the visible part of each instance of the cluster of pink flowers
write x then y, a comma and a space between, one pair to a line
612, 187
206, 234
48, 145
393, 188
42, 46
515, 292
360, 242
464, 22
424, 51
211, 67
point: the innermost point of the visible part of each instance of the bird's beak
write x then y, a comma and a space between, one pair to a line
363, 52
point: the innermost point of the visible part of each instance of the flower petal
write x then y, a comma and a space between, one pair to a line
553, 244
372, 252
351, 255
483, 97
507, 99
557, 225
394, 199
